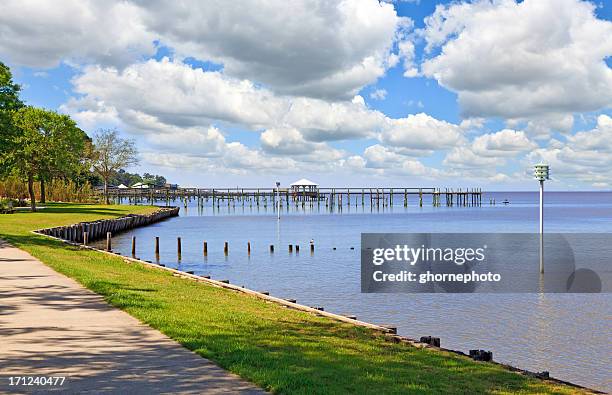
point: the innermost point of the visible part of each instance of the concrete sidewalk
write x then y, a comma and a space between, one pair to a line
52, 326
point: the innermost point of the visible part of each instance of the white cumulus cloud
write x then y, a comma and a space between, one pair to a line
421, 132
43, 34
521, 60
504, 143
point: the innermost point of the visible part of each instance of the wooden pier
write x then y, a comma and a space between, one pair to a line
329, 197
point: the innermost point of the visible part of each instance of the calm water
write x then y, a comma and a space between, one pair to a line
568, 335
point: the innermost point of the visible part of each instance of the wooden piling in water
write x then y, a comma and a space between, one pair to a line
249, 248
271, 248
133, 246
108, 241
178, 248
157, 246
226, 248
205, 248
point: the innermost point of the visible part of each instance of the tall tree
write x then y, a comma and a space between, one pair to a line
9, 102
156, 180
110, 154
47, 144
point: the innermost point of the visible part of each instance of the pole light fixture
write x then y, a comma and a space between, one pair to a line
541, 173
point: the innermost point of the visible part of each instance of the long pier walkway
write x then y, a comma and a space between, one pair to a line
51, 326
332, 198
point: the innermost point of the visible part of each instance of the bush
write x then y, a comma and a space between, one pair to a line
57, 190
7, 206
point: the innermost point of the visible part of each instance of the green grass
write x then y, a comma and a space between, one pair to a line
280, 349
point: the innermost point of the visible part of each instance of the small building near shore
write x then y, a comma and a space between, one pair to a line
304, 185
140, 185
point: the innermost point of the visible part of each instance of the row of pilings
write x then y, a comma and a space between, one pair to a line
83, 232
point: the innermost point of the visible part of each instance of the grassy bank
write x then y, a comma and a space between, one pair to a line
283, 350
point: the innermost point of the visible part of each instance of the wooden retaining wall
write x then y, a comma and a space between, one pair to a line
97, 230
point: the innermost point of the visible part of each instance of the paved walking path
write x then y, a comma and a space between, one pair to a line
52, 326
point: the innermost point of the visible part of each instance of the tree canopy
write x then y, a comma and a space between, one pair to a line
47, 144
39, 145
9, 102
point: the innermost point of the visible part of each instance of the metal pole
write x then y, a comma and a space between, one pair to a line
541, 226
278, 200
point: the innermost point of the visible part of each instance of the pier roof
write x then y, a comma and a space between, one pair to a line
304, 182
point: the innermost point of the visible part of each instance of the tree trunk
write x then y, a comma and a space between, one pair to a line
106, 192
43, 197
31, 192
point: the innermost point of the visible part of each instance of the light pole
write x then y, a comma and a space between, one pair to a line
541, 173
278, 199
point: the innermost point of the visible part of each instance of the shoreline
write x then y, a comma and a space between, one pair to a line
388, 332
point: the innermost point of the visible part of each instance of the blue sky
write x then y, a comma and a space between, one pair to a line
355, 92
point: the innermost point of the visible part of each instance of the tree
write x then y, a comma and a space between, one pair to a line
111, 153
47, 144
125, 178
156, 180
9, 102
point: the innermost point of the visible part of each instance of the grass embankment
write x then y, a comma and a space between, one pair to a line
283, 350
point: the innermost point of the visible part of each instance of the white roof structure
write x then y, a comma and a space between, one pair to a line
304, 183
140, 185
121, 186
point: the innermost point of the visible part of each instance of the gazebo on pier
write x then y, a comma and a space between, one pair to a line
304, 185
304, 189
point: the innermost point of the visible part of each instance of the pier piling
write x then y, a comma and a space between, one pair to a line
178, 248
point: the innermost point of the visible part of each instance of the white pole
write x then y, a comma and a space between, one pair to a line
278, 200
541, 226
